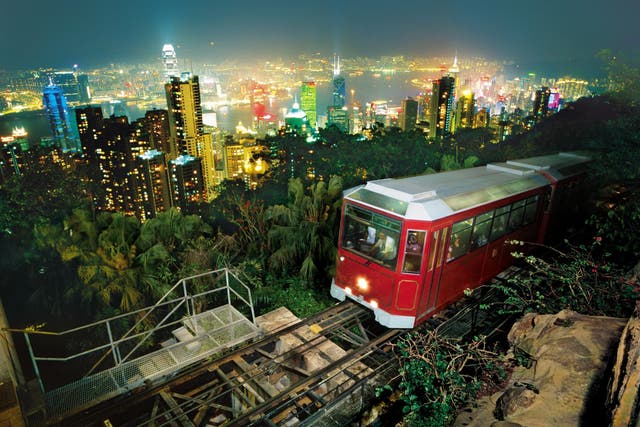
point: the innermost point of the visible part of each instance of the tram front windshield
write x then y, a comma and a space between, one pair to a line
371, 235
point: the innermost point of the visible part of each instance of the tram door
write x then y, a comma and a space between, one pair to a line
431, 283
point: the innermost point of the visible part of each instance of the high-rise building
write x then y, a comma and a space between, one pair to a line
465, 110
68, 82
408, 115
157, 124
338, 116
84, 92
170, 62
308, 101
57, 112
481, 119
441, 107
296, 120
185, 115
154, 190
339, 93
90, 123
187, 181
541, 102
187, 128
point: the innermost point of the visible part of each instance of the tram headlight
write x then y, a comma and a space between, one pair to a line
341, 258
374, 303
348, 290
362, 284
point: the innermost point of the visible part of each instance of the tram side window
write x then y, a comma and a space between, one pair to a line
460, 237
433, 250
530, 210
481, 227
371, 235
413, 251
499, 227
517, 213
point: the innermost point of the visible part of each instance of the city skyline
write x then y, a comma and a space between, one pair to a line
94, 34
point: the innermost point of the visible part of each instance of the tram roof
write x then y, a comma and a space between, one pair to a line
436, 196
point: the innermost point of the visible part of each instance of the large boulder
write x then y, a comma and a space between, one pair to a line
565, 359
622, 400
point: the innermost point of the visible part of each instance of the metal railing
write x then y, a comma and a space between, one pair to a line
180, 306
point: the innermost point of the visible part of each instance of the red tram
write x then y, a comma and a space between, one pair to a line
409, 247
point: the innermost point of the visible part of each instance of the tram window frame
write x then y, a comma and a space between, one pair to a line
531, 209
516, 215
433, 249
413, 260
460, 232
481, 229
501, 216
361, 227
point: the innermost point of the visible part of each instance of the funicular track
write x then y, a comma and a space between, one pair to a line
300, 374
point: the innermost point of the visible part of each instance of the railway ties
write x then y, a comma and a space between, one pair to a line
298, 373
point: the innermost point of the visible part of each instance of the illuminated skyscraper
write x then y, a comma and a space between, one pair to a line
338, 116
89, 120
154, 190
187, 128
84, 92
113, 154
339, 85
408, 115
68, 82
465, 110
441, 107
541, 102
157, 124
185, 116
170, 62
296, 120
187, 182
308, 101
57, 112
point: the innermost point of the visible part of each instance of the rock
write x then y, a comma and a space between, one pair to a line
622, 399
568, 356
514, 399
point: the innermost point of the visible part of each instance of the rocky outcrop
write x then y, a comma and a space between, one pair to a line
565, 361
622, 401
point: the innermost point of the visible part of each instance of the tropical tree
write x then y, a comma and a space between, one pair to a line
302, 236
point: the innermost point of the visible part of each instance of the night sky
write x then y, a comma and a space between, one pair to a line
94, 33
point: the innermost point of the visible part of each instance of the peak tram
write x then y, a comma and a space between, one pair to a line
409, 247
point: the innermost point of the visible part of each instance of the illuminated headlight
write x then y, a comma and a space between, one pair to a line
348, 290
362, 283
341, 258
374, 303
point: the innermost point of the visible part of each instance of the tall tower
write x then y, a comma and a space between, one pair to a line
308, 101
154, 190
409, 114
90, 124
186, 181
185, 115
187, 129
170, 61
541, 102
68, 82
157, 124
339, 85
84, 91
465, 110
441, 107
57, 112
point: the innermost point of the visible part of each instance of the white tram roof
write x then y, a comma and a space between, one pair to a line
559, 166
436, 196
